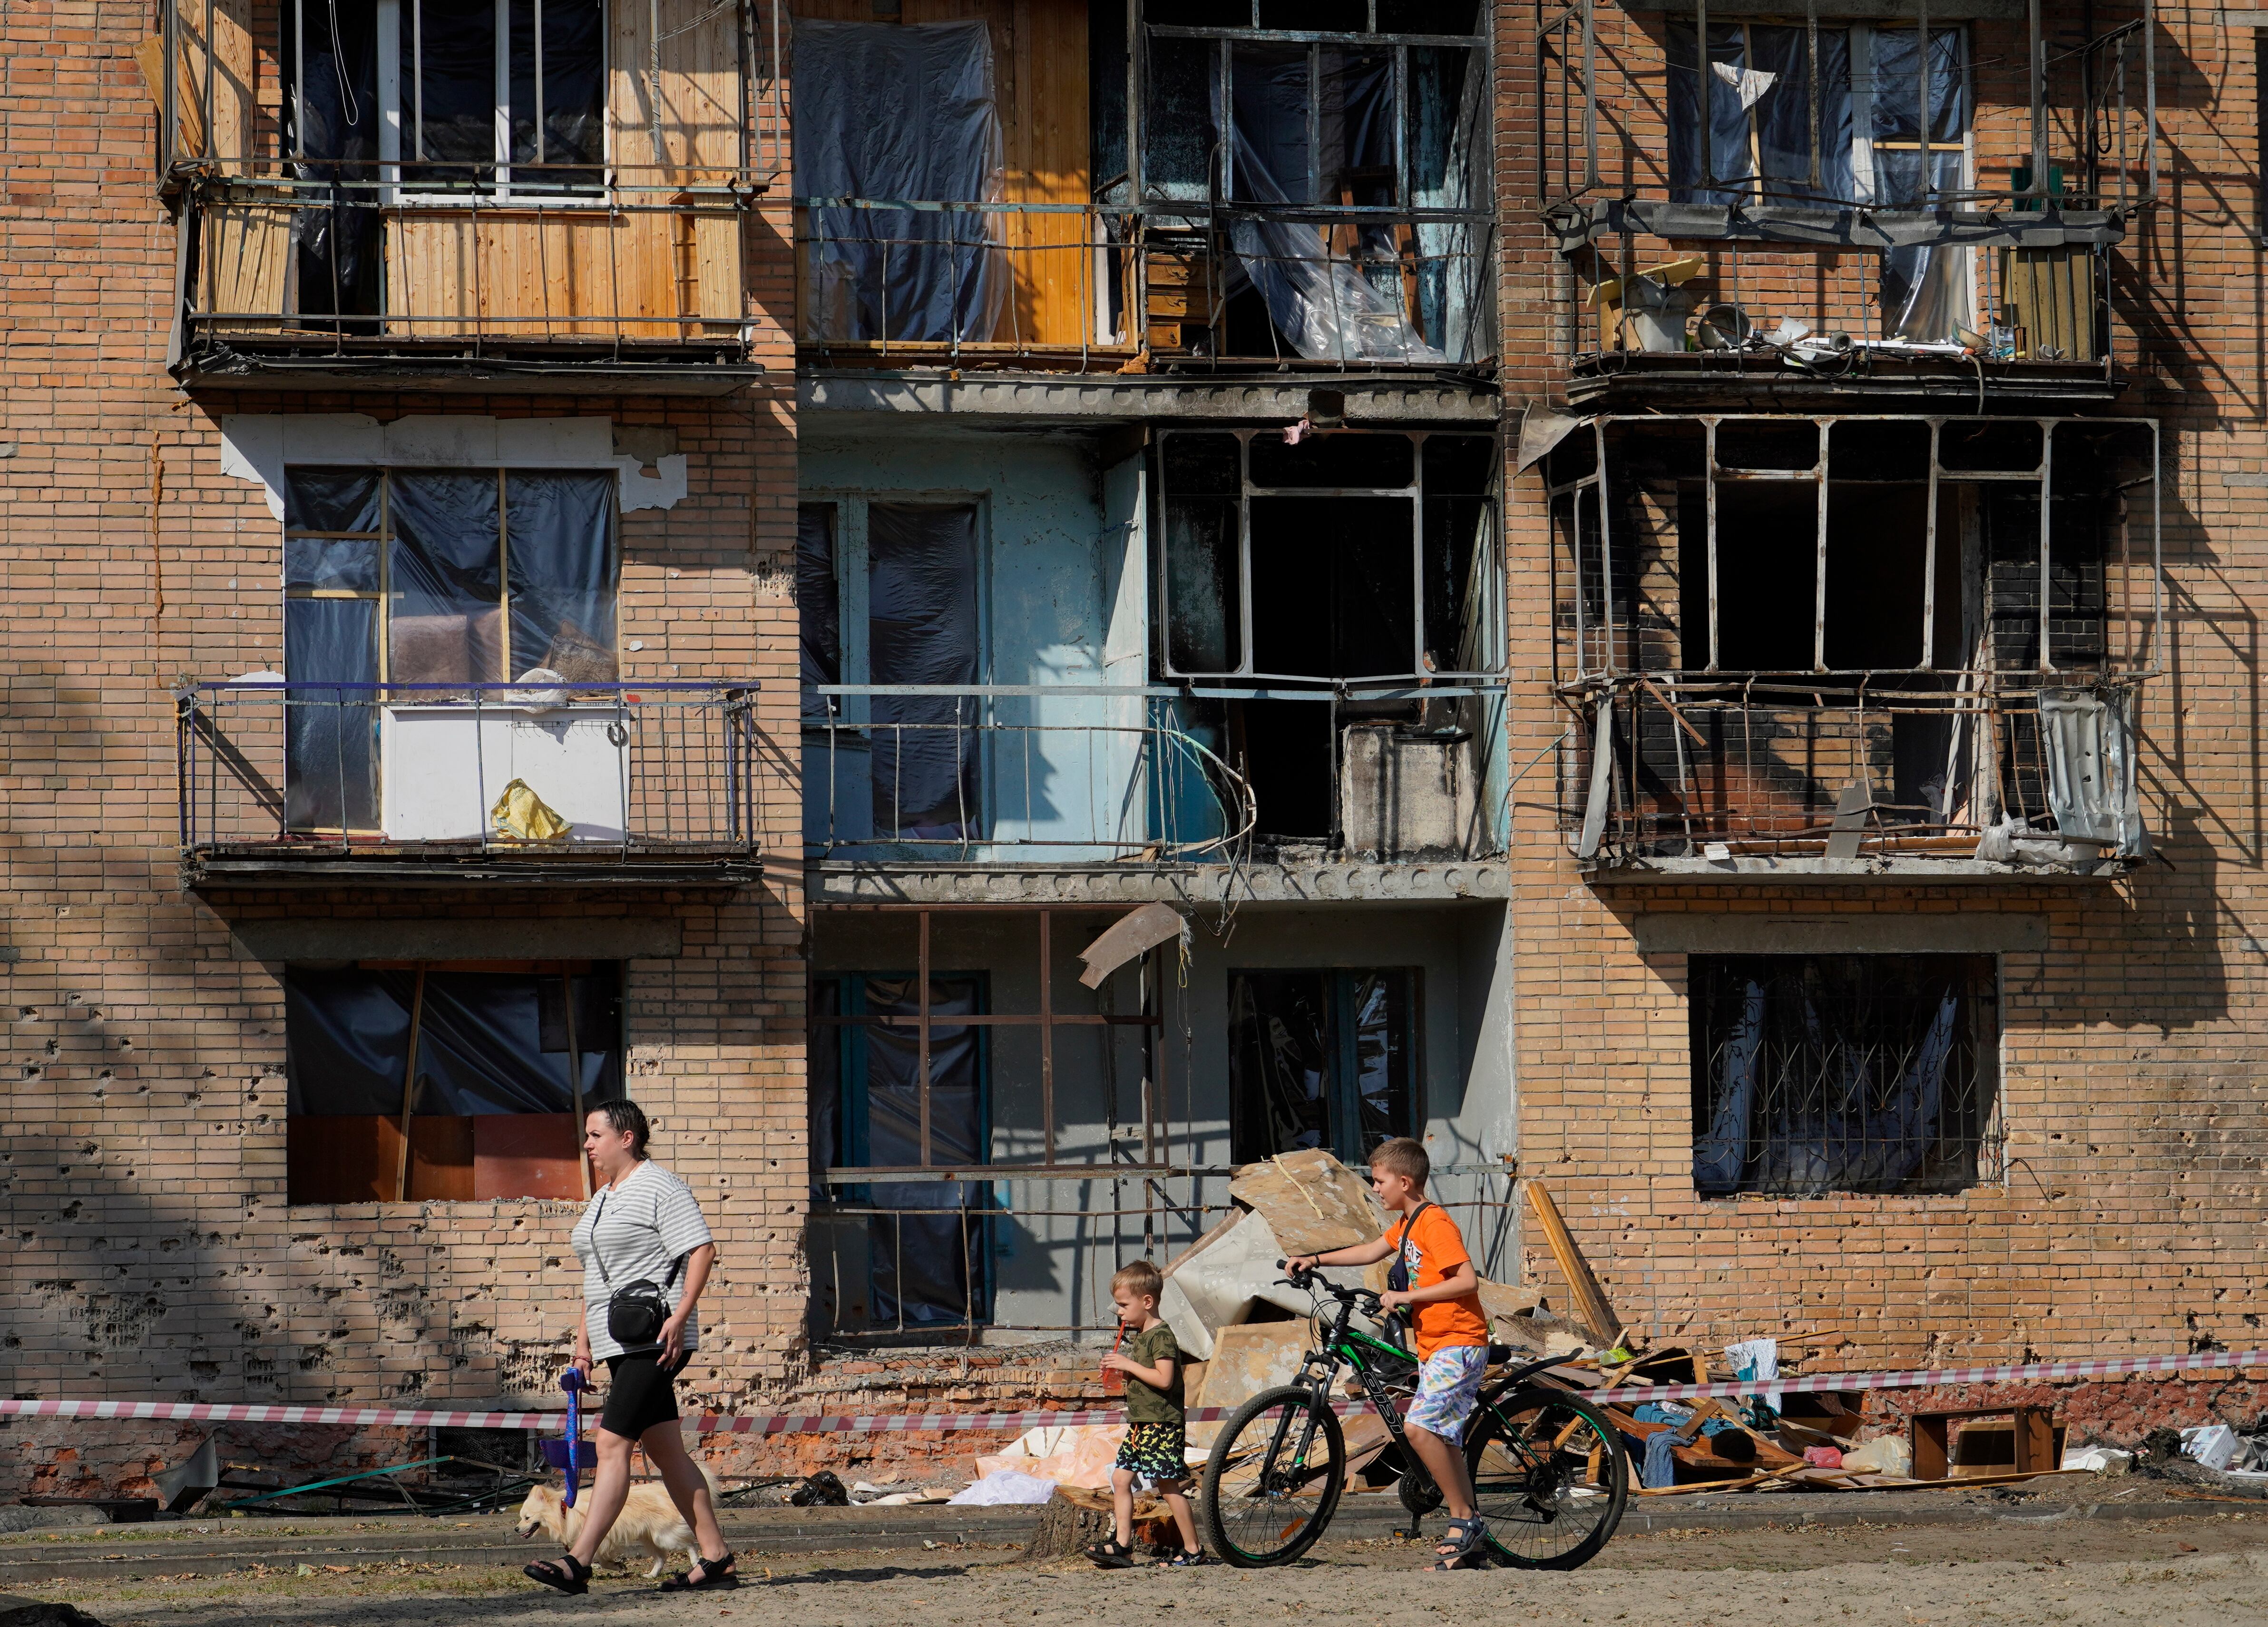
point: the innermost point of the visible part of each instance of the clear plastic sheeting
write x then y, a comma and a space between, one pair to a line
922, 629
898, 114
1318, 288
330, 781
1838, 1074
486, 1041
331, 115
1777, 167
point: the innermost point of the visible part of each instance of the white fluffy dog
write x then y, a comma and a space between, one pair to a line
650, 1524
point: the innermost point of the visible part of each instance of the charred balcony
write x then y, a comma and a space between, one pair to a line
487, 197
1854, 645
1154, 186
1801, 211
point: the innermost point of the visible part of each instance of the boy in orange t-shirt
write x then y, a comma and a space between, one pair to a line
1435, 1279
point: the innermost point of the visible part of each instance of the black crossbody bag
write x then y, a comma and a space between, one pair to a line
636, 1310
1398, 1274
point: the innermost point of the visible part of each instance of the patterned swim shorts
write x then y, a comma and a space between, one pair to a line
1448, 1387
1154, 1452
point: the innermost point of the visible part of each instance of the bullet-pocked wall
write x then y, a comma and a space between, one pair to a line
2117, 1207
1413, 999
153, 1249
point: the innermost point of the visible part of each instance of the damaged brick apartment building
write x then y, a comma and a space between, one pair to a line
1102, 592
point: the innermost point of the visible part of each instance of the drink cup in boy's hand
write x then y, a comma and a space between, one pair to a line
1148, 1363
1114, 1380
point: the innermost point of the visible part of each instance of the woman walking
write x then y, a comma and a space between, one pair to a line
642, 1231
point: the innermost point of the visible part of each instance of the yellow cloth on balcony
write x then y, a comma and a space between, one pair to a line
523, 814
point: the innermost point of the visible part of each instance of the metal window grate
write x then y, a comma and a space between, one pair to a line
1843, 1073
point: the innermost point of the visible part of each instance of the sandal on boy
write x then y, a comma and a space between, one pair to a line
1111, 1555
1186, 1558
709, 1573
1462, 1543
567, 1573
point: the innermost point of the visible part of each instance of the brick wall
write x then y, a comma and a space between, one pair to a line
150, 1248
2129, 1218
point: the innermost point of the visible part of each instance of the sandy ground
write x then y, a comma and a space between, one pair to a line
2206, 1572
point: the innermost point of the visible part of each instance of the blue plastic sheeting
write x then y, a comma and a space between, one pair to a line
902, 114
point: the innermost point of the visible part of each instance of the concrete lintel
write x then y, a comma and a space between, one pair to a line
573, 938
1915, 871
1954, 932
1193, 886
1012, 398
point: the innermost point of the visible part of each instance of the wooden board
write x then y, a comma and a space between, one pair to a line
245, 263
1313, 1202
527, 1155
1591, 1307
353, 1159
231, 59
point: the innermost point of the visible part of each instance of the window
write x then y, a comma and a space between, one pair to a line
1320, 1059
889, 594
1345, 555
923, 1241
529, 117
431, 579
484, 1064
1843, 1073
1834, 119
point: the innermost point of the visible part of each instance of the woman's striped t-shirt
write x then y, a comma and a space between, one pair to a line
640, 1227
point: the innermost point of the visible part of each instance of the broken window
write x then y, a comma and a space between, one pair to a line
484, 1067
894, 112
1320, 1059
1834, 116
433, 580
330, 115
925, 1240
1842, 1073
1351, 152
1342, 555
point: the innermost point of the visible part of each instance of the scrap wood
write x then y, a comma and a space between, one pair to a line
1591, 1307
1311, 1201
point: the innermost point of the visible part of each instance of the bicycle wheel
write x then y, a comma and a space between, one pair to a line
1274, 1478
1550, 1476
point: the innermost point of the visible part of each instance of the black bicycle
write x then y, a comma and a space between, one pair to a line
1550, 1475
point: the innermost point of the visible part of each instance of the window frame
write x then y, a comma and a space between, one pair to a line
400, 112
1343, 1100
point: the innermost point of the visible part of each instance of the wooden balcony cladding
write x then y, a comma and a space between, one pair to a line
657, 253
1039, 88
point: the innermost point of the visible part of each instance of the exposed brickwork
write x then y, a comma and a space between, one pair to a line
2129, 1218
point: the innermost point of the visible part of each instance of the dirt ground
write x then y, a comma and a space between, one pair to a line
2205, 1572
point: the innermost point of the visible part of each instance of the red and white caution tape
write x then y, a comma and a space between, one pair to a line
953, 1423
1930, 1378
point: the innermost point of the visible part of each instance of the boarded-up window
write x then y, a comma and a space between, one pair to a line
484, 1064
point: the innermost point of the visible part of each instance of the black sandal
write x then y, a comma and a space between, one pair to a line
708, 1573
1111, 1555
567, 1573
1185, 1558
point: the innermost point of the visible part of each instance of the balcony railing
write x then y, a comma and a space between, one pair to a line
2005, 769
409, 782
940, 774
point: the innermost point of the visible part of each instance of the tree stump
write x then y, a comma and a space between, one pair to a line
1076, 1517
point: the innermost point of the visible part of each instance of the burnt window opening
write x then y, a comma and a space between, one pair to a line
1320, 1059
1815, 1074
506, 98
924, 1242
1341, 152
1366, 554
483, 1065
1833, 117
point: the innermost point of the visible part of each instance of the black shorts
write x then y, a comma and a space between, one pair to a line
640, 1394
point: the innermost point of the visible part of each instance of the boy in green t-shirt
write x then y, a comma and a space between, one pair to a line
1157, 1439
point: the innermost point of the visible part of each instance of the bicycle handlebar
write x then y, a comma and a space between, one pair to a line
1362, 1299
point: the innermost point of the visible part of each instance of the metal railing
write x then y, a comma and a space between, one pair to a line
1860, 765
939, 771
318, 772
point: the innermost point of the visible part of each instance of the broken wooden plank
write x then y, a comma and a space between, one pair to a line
1591, 1307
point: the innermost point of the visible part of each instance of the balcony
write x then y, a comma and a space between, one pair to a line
1308, 200
1854, 645
441, 784
401, 191
1876, 208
